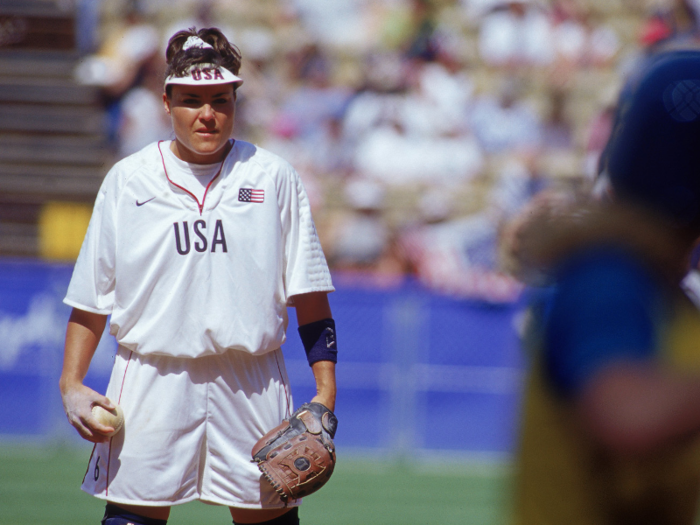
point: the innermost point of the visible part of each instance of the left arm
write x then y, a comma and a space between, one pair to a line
312, 307
603, 352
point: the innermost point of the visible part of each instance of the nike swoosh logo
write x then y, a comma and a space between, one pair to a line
144, 202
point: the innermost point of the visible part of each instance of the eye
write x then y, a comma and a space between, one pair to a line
190, 101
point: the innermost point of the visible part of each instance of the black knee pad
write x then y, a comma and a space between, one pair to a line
288, 518
115, 515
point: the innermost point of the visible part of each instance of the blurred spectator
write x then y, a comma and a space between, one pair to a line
421, 44
389, 154
517, 182
475, 10
309, 109
200, 13
557, 128
412, 125
683, 15
378, 98
455, 256
332, 153
359, 236
315, 97
568, 33
506, 123
119, 64
143, 119
259, 101
603, 43
439, 97
655, 28
516, 33
284, 140
341, 24
578, 39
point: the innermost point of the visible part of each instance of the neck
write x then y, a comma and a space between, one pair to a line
183, 153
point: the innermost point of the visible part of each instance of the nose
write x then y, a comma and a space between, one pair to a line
207, 112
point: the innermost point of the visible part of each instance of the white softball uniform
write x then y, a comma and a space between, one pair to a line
197, 282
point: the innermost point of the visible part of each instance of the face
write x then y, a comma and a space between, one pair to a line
202, 118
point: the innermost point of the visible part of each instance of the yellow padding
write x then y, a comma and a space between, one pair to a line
62, 227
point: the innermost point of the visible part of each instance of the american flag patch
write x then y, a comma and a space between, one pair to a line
251, 195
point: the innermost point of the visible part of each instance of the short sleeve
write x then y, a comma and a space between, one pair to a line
606, 307
91, 287
305, 266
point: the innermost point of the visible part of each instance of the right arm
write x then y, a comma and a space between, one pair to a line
82, 337
637, 408
91, 290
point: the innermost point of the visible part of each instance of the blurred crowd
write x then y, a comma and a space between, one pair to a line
419, 127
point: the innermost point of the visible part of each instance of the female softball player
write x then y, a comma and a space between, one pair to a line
196, 248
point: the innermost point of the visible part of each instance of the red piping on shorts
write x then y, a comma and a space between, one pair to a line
109, 452
286, 392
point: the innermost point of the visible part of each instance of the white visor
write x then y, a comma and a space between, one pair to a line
206, 74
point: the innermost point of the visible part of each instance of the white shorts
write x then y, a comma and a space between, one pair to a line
189, 427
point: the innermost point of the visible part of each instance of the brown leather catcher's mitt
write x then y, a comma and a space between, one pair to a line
298, 456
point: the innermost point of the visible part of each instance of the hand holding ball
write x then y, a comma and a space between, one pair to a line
110, 418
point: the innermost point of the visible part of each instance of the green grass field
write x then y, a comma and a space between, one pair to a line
41, 486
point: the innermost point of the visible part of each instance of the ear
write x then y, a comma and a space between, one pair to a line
166, 103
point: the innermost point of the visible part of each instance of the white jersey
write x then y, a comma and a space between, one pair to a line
189, 279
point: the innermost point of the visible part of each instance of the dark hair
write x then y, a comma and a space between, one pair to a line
179, 61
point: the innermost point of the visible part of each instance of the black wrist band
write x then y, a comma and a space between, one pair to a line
319, 341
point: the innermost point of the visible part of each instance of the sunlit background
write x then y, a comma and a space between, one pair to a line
419, 128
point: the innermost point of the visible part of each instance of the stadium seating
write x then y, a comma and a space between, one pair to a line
52, 144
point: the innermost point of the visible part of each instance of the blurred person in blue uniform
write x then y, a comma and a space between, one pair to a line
611, 418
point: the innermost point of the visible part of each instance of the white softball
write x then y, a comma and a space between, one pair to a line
109, 418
